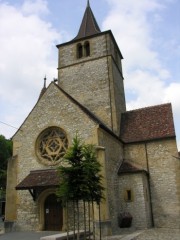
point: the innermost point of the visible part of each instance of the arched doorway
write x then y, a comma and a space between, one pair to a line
53, 213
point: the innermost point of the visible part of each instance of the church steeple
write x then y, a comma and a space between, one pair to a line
88, 25
90, 70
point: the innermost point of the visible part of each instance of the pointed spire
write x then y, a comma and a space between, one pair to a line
89, 25
45, 81
43, 89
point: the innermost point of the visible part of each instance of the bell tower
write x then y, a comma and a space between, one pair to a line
90, 70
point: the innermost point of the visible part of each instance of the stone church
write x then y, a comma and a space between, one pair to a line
137, 149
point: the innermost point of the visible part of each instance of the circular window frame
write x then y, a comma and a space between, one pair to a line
51, 146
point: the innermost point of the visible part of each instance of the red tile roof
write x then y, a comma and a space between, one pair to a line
148, 123
39, 178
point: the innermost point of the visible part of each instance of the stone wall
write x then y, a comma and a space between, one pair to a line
68, 52
88, 83
95, 81
164, 170
113, 159
118, 103
53, 109
11, 193
139, 206
158, 158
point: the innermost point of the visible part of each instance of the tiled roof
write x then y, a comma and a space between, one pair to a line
146, 124
127, 167
89, 25
39, 178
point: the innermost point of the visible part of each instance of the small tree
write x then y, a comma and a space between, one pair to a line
80, 177
92, 187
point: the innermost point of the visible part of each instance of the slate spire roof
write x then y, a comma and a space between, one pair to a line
88, 25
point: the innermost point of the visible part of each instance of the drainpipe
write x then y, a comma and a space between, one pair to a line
150, 197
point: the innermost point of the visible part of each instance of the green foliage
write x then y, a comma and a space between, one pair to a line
5, 153
80, 178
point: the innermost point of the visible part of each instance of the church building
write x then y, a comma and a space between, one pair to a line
137, 149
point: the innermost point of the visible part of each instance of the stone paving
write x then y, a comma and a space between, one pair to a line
149, 234
159, 234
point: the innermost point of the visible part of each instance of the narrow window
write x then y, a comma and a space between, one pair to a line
128, 195
87, 49
79, 50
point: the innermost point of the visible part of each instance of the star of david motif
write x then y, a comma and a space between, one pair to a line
52, 145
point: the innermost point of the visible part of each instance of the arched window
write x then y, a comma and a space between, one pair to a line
79, 50
87, 49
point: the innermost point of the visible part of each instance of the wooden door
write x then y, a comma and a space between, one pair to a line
53, 213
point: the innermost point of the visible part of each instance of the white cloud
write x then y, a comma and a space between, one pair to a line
35, 7
27, 47
28, 52
147, 80
172, 93
144, 85
129, 23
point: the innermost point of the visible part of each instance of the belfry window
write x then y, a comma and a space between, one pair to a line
83, 50
87, 49
79, 51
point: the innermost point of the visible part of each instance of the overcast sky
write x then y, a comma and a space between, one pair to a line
147, 32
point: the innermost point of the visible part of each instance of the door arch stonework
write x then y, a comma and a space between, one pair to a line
41, 207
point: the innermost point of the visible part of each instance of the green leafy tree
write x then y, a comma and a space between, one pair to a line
5, 153
80, 177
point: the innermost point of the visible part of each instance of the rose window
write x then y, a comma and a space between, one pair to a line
52, 145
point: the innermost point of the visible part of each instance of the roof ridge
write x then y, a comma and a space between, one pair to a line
88, 112
128, 167
153, 106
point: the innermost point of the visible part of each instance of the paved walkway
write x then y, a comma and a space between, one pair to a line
159, 234
149, 234
22, 235
25, 235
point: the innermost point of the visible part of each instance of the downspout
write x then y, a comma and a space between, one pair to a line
150, 197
